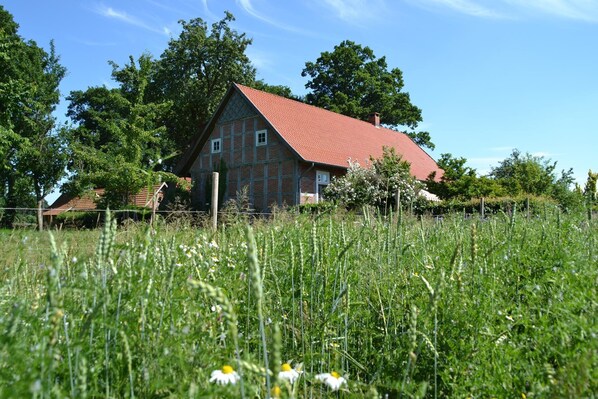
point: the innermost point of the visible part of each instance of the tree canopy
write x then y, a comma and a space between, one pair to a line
31, 157
352, 81
195, 71
119, 140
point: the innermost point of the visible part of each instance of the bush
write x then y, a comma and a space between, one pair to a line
492, 206
376, 185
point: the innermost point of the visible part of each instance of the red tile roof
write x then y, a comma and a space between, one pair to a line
87, 202
324, 137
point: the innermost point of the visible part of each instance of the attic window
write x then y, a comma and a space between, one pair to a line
261, 138
216, 146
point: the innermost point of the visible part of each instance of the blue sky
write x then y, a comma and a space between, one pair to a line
489, 75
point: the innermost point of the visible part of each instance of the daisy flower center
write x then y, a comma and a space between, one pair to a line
227, 369
286, 367
335, 374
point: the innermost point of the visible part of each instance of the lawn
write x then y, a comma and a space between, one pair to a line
397, 306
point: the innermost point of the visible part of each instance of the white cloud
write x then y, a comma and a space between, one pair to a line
356, 10
585, 10
259, 59
247, 6
469, 7
122, 16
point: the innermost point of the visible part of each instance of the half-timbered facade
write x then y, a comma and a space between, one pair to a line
285, 152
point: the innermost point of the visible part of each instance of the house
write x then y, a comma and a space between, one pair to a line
146, 198
285, 151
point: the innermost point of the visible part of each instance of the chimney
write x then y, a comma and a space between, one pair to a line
374, 119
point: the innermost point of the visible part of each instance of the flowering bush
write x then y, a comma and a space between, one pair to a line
375, 185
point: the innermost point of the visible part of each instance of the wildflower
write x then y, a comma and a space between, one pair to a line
332, 379
224, 376
288, 373
276, 391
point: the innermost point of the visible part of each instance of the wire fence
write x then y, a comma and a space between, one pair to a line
24, 217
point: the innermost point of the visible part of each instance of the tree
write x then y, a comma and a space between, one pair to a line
525, 174
119, 140
279, 90
195, 71
460, 181
31, 160
350, 80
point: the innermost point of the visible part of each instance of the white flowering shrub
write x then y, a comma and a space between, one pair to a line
375, 185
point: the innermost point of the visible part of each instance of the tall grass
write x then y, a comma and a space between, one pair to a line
400, 307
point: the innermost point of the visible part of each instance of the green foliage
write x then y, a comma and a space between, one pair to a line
317, 208
458, 308
525, 174
492, 206
376, 185
119, 141
31, 157
279, 90
516, 176
461, 182
534, 175
195, 71
350, 80
589, 189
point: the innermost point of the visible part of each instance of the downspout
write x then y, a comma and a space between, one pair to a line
299, 182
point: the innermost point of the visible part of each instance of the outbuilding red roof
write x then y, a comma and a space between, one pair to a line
87, 202
325, 137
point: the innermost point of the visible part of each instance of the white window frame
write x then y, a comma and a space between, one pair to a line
257, 137
213, 144
322, 179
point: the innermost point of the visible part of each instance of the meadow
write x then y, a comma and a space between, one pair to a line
400, 307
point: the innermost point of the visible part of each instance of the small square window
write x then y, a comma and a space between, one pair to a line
323, 177
216, 146
261, 137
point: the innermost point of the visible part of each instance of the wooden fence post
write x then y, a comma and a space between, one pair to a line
40, 217
398, 200
215, 200
482, 208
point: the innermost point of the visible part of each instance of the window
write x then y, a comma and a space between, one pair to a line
323, 177
216, 146
322, 180
261, 138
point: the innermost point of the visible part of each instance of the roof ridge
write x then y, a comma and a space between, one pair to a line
319, 109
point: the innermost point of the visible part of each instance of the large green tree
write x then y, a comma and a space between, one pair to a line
31, 160
525, 174
460, 181
119, 139
352, 81
195, 71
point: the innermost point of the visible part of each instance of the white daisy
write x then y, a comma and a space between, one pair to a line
332, 379
288, 373
224, 376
